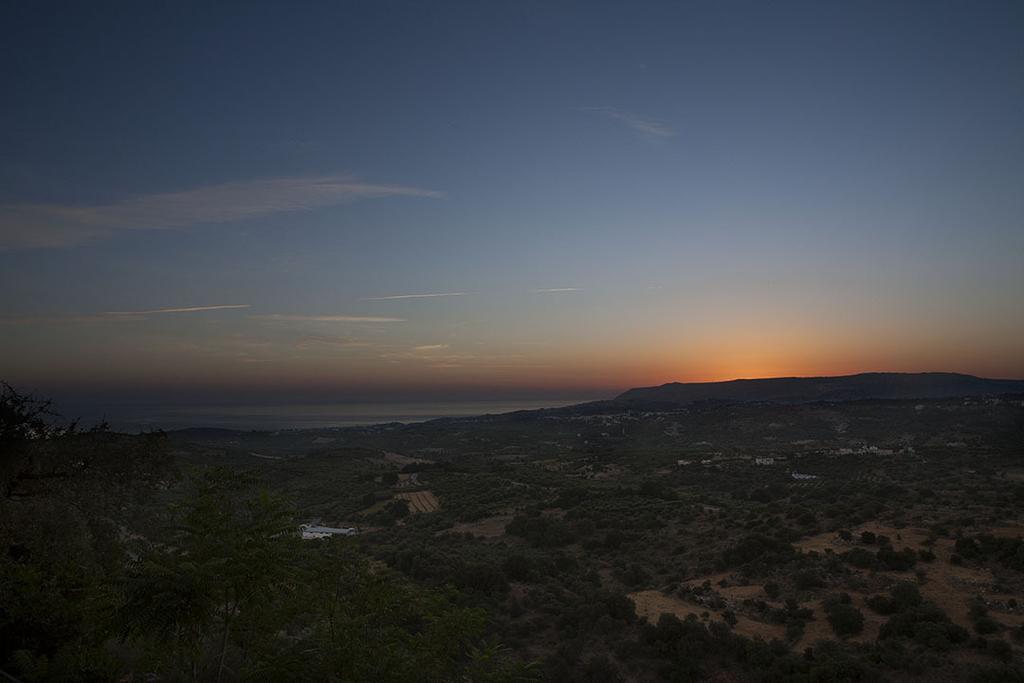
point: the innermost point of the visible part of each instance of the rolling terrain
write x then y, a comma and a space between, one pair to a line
868, 539
792, 524
869, 385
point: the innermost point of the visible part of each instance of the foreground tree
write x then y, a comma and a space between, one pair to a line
226, 563
235, 594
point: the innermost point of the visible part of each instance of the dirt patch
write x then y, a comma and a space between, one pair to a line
713, 579
951, 587
900, 538
651, 604
815, 630
740, 593
420, 501
488, 527
375, 508
820, 629
1013, 530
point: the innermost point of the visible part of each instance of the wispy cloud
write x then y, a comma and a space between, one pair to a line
56, 225
426, 348
111, 316
65, 319
335, 342
328, 318
642, 125
552, 290
431, 355
185, 309
413, 296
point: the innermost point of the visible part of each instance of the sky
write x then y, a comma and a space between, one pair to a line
382, 200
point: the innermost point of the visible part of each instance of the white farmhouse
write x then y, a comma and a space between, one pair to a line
311, 531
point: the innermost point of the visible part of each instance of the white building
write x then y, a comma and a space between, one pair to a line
311, 531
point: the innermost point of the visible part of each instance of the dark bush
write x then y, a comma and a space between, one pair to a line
880, 604
966, 548
846, 620
540, 531
904, 596
860, 558
768, 550
986, 625
808, 579
900, 561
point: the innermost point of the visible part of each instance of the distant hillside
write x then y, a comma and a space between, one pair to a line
868, 385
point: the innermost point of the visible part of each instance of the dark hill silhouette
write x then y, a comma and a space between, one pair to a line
868, 385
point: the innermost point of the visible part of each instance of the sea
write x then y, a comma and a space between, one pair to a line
312, 416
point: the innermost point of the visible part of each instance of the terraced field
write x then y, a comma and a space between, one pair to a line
420, 501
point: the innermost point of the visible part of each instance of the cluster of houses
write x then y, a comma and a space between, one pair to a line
717, 458
760, 460
866, 450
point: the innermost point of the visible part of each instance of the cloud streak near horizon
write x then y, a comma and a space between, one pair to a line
413, 296
327, 318
185, 309
57, 225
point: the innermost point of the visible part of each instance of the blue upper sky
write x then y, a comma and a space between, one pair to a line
715, 189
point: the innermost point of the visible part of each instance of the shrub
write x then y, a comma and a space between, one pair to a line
669, 629
966, 548
540, 531
808, 579
860, 558
880, 604
897, 561
846, 620
768, 550
932, 635
928, 621
1000, 648
986, 625
905, 596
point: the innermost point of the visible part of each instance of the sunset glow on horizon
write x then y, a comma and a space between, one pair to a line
520, 200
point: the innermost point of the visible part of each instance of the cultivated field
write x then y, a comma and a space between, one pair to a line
420, 501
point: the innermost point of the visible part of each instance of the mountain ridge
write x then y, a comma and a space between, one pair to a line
866, 385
